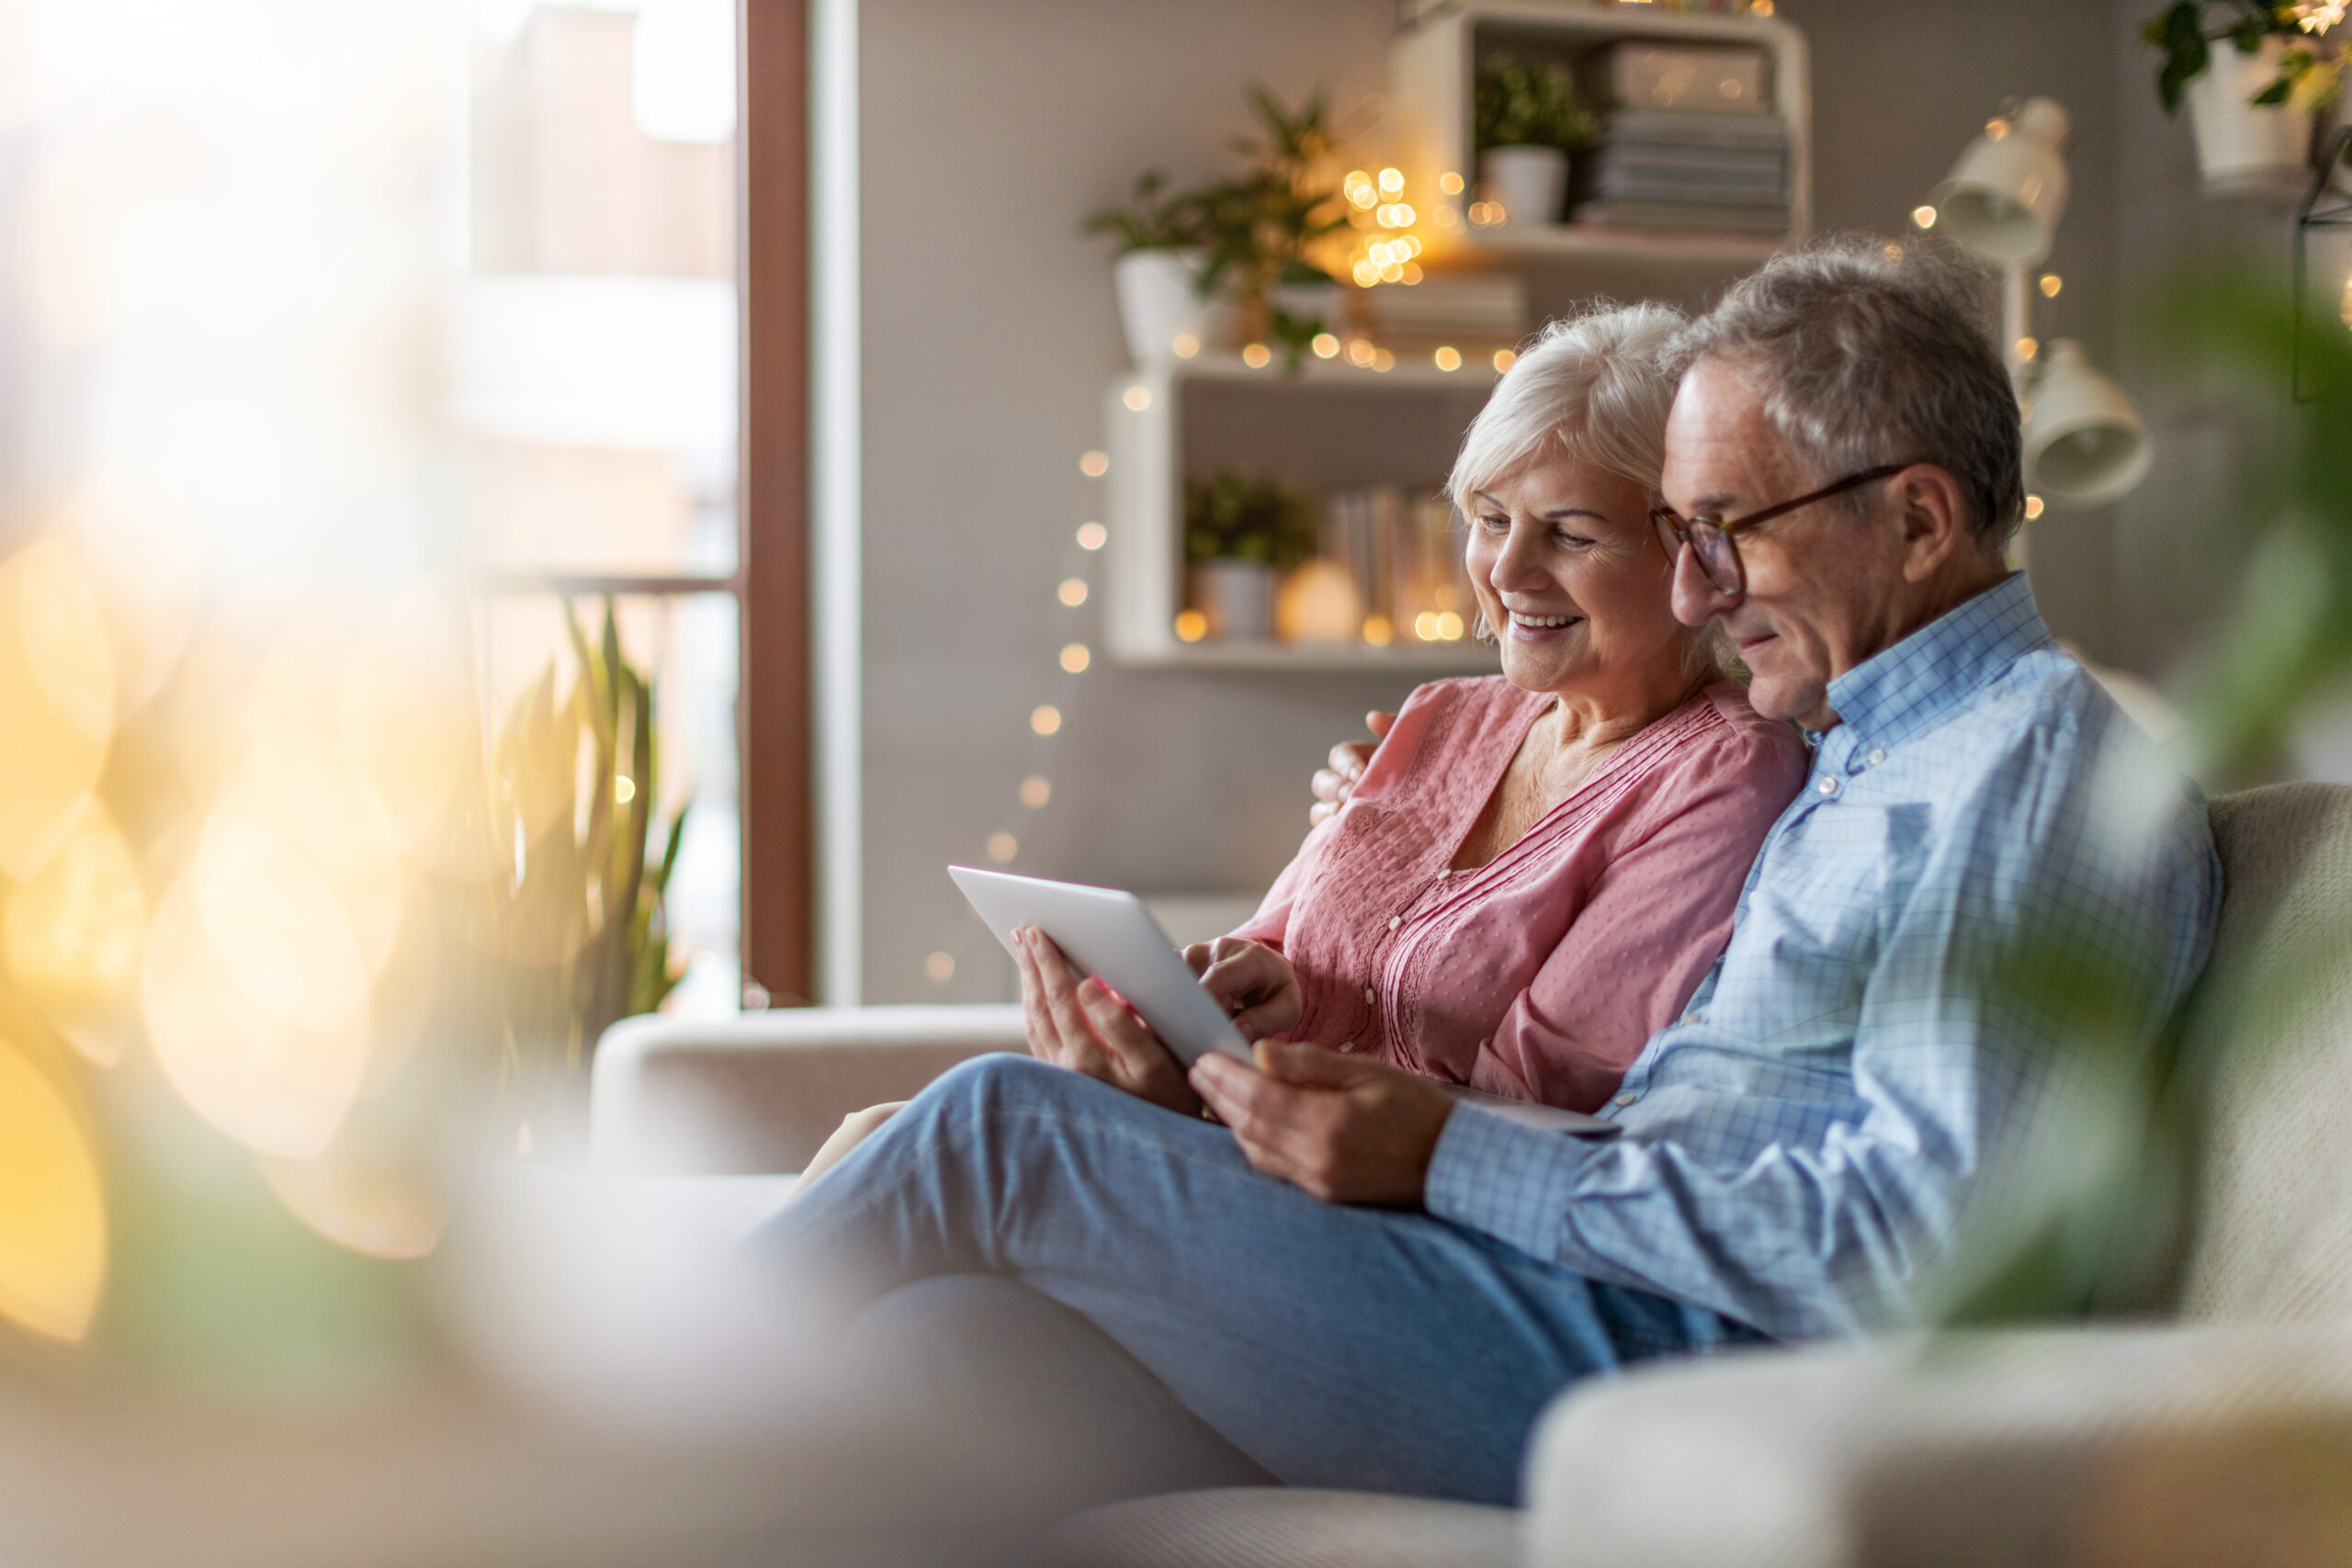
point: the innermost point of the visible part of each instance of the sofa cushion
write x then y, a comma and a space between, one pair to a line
1275, 1527
2267, 1058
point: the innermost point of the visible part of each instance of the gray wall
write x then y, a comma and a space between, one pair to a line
990, 130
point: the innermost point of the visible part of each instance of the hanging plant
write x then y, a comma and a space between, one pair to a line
2309, 73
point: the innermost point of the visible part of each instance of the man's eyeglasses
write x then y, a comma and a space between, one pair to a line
1710, 537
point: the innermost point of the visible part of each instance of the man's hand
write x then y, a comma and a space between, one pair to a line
1084, 1027
1347, 1129
1255, 985
1335, 783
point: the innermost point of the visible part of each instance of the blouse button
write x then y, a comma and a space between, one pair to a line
1878, 755
1370, 995
1625, 1098
1828, 785
1395, 920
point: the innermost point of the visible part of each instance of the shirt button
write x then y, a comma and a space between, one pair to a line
1878, 755
1370, 995
1443, 871
1625, 1098
1395, 920
1689, 1018
1828, 785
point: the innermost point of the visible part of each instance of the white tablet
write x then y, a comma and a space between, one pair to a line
1109, 933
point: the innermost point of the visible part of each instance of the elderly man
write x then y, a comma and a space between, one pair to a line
1357, 1281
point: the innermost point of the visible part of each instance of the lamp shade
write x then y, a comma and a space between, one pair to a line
2083, 443
2005, 195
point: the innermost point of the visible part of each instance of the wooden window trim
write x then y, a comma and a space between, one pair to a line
773, 714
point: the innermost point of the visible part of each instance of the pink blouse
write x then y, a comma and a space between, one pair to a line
1543, 973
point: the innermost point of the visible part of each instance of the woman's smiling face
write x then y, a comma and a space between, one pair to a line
1573, 580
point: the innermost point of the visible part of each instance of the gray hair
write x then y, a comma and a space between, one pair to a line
1591, 388
1869, 351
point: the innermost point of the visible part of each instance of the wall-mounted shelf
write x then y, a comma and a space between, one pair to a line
1432, 65
1329, 426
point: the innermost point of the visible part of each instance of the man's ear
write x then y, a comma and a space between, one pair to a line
1933, 519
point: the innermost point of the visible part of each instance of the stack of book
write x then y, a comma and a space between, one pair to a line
1684, 169
1403, 552
1474, 313
1691, 142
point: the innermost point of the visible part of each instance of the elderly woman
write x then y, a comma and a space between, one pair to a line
1536, 868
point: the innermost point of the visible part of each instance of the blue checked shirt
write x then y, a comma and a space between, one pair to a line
1802, 1148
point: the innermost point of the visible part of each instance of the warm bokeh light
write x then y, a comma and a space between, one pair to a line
1072, 592
939, 967
1137, 398
1035, 790
2051, 283
1257, 356
1075, 657
1184, 345
72, 936
1378, 631
1191, 625
1449, 183
1448, 358
2033, 507
265, 1080
1925, 217
57, 702
1505, 359
1045, 718
1003, 847
1391, 181
379, 1210
1325, 346
2027, 348
53, 1208
1094, 465
1092, 535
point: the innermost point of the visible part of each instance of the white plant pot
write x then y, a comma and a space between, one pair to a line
2243, 149
1531, 182
1160, 311
1238, 598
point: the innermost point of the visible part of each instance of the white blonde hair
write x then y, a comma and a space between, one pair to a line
1592, 387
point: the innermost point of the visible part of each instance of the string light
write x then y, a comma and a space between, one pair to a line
1449, 183
2028, 348
1382, 361
1075, 657
1045, 718
1325, 346
1392, 181
1257, 356
1035, 790
1923, 216
624, 789
1361, 352
1190, 626
1003, 847
1090, 536
1094, 465
1448, 358
939, 967
1185, 345
1378, 631
1504, 359
2051, 284
2032, 507
1072, 592
1449, 626
1137, 398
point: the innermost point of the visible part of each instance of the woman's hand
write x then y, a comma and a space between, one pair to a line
1255, 985
1347, 1129
1082, 1026
1333, 784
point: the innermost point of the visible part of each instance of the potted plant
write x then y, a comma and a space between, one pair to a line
1241, 535
1164, 310
1528, 119
2251, 108
1262, 228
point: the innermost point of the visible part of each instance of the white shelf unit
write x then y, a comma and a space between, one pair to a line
1331, 426
1432, 64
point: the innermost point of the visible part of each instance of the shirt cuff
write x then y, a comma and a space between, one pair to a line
1510, 1180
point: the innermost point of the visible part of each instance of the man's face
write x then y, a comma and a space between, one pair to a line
1823, 592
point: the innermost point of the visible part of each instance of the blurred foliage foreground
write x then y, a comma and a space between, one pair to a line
292, 931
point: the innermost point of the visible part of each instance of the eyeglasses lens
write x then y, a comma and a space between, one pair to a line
1718, 556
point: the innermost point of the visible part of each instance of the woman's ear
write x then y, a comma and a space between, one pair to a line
1933, 519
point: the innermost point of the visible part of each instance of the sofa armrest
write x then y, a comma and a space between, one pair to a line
760, 1092
2160, 1448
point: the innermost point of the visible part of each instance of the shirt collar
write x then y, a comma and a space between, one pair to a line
1901, 690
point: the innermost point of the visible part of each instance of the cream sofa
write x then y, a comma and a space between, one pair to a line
2215, 1429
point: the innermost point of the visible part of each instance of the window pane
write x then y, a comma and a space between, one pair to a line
593, 343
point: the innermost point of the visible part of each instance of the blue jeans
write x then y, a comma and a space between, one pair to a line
1336, 1347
